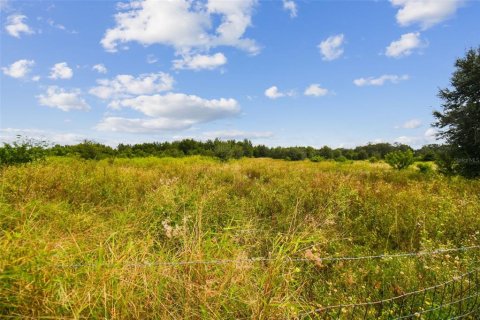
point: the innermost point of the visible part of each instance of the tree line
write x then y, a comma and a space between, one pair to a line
27, 150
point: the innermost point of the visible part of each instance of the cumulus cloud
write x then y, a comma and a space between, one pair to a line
61, 70
429, 136
291, 7
237, 134
200, 61
411, 124
182, 106
331, 48
164, 112
15, 25
119, 124
405, 45
274, 93
182, 24
315, 90
426, 13
379, 81
125, 85
19, 69
100, 68
62, 99
172, 111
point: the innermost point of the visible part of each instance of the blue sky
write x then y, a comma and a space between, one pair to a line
337, 73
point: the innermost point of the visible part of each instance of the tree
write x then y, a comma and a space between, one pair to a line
400, 159
459, 121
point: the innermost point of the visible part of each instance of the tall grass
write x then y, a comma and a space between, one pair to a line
75, 236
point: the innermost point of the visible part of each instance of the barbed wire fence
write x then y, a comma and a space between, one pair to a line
268, 259
457, 298
453, 299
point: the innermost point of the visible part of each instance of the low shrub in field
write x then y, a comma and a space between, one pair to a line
317, 159
22, 151
400, 159
425, 168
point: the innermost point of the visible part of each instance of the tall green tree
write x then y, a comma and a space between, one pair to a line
459, 121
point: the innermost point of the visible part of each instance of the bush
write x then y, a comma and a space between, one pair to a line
341, 159
22, 151
425, 168
90, 150
400, 159
373, 159
317, 159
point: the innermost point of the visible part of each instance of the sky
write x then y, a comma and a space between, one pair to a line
280, 73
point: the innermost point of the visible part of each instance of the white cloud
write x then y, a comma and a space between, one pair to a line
411, 124
172, 111
315, 90
15, 25
431, 133
125, 85
59, 26
425, 12
151, 59
331, 48
19, 69
100, 68
61, 70
405, 45
182, 24
199, 61
416, 141
118, 124
379, 81
182, 106
290, 6
36, 78
62, 99
237, 134
274, 93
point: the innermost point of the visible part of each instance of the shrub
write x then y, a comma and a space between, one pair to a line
400, 159
341, 159
425, 168
373, 159
22, 151
446, 162
317, 159
92, 150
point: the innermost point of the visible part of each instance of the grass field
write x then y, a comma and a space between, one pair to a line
76, 236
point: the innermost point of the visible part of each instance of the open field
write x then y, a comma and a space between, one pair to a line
107, 239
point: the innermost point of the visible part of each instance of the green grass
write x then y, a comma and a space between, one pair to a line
74, 236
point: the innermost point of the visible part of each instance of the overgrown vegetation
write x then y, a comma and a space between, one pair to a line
22, 151
86, 238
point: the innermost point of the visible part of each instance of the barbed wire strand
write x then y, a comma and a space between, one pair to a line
379, 302
265, 259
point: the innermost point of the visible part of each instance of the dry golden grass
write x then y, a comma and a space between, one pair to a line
75, 236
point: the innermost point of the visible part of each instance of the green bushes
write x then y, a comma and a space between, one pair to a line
425, 168
400, 159
22, 151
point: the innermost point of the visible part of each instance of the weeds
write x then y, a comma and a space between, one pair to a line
75, 236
